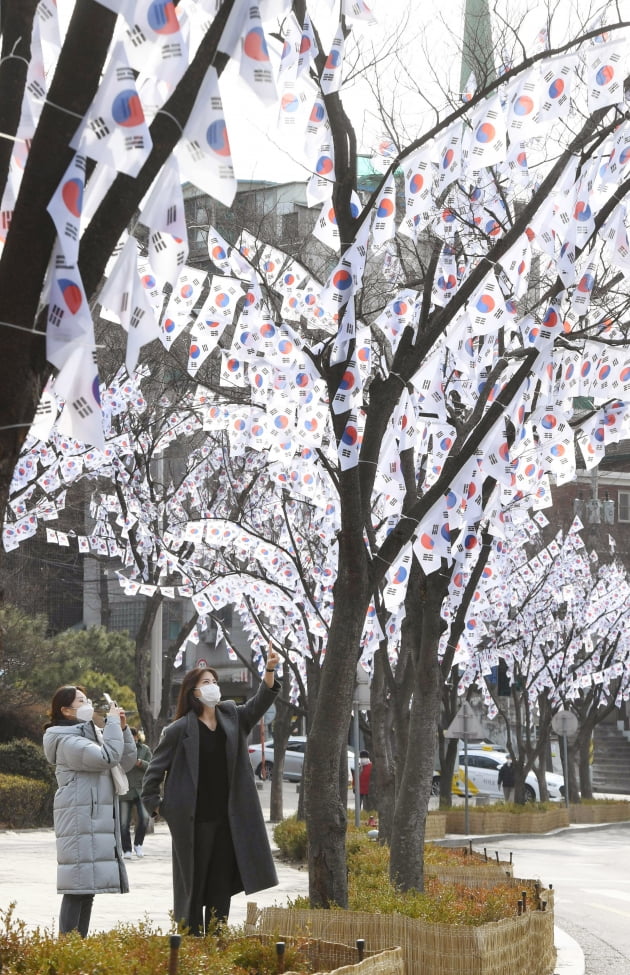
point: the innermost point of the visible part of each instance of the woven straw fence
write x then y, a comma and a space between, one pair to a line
480, 876
520, 945
617, 812
480, 821
328, 958
435, 826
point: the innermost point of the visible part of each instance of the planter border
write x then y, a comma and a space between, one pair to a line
523, 944
607, 812
483, 821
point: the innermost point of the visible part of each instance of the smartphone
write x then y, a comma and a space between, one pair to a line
108, 701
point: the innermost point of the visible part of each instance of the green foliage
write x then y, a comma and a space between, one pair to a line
97, 684
141, 950
24, 757
23, 644
106, 652
290, 835
25, 802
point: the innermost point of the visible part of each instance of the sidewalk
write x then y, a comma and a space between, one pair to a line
28, 871
28, 877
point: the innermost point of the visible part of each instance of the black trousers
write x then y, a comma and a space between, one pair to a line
214, 873
75, 913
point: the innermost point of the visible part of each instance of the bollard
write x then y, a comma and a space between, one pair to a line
485, 853
524, 896
470, 847
360, 948
496, 853
280, 954
519, 907
175, 941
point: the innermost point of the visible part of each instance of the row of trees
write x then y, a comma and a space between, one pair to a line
399, 445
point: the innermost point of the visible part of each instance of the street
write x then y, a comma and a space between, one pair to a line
589, 869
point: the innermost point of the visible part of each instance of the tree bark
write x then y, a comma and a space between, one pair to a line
407, 848
326, 809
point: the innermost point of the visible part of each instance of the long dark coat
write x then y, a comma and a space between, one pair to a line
177, 757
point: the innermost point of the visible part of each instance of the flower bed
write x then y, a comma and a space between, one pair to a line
521, 944
145, 950
600, 811
494, 820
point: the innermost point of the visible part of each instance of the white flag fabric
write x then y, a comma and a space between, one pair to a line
163, 209
384, 219
69, 317
331, 75
204, 153
114, 130
78, 384
66, 206
606, 72
125, 297
350, 444
256, 68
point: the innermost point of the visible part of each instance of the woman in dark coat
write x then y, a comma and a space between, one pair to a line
210, 800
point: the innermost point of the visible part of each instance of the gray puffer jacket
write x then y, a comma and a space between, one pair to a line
87, 827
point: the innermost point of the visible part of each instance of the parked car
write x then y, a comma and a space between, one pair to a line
293, 759
483, 772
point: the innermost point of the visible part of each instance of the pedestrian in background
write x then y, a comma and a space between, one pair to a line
86, 815
365, 777
132, 800
210, 800
506, 780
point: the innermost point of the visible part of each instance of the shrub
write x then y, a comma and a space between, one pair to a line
290, 835
26, 802
24, 757
143, 950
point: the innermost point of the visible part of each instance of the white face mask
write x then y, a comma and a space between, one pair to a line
210, 694
85, 712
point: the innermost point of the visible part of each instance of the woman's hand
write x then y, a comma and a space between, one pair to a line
114, 709
273, 659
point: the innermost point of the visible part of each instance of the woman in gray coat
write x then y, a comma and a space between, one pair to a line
210, 802
86, 815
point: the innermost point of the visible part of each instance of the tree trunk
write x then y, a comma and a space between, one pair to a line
584, 745
326, 809
412, 802
382, 752
281, 728
152, 726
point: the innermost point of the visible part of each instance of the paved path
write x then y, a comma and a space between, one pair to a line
28, 869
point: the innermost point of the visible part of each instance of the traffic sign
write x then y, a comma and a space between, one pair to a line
564, 723
465, 724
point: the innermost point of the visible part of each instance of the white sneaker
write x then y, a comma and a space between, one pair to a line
139, 851
127, 855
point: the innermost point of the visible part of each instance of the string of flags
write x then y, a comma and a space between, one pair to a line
459, 188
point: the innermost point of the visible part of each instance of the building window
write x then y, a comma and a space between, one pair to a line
623, 502
290, 225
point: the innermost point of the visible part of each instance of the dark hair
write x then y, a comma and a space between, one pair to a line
187, 701
364, 754
63, 698
134, 731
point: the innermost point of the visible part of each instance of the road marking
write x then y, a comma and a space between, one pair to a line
611, 910
621, 895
